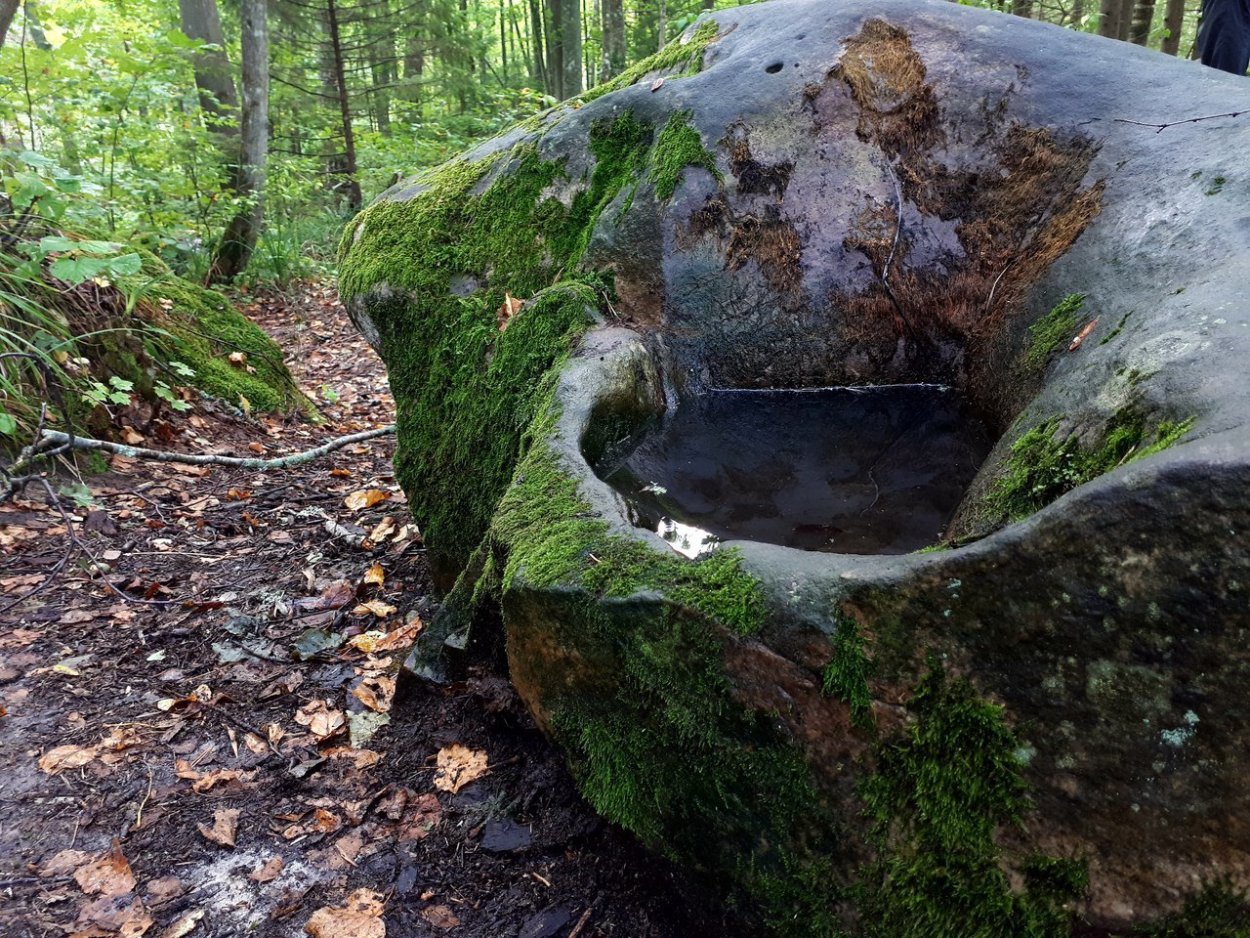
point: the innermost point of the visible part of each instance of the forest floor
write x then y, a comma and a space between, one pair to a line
197, 732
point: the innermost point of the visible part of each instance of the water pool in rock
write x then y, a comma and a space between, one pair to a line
874, 470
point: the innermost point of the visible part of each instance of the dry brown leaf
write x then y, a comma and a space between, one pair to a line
184, 925
66, 757
77, 617
375, 607
375, 575
225, 824
206, 781
269, 871
657, 85
383, 530
365, 498
400, 638
113, 916
511, 306
65, 863
440, 916
376, 693
108, 875
362, 758
458, 766
360, 917
322, 721
1082, 335
238, 359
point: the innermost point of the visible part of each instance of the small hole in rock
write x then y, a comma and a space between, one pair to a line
774, 68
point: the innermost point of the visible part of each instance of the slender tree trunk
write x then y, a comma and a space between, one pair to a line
503, 39
540, 60
1143, 16
213, 78
8, 9
1078, 13
1022, 8
661, 32
239, 239
553, 11
613, 38
351, 184
1173, 22
1124, 19
571, 40
1109, 18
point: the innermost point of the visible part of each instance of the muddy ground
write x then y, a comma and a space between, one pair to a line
197, 735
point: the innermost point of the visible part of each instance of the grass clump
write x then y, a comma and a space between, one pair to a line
941, 792
1049, 332
1216, 911
1043, 466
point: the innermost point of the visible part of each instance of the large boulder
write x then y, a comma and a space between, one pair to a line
1045, 715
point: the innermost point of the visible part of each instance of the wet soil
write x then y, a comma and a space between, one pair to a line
208, 661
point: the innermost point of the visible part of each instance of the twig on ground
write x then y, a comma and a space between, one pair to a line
1160, 128
56, 438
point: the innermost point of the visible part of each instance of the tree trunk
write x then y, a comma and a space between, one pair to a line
1022, 8
553, 18
239, 239
613, 38
1124, 20
8, 9
1173, 22
571, 43
1077, 14
541, 78
351, 186
661, 32
1143, 16
218, 99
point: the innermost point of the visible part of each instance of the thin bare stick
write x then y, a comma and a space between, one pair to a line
56, 438
1160, 128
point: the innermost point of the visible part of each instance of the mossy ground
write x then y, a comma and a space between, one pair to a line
1052, 330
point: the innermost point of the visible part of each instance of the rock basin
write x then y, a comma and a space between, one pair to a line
1041, 722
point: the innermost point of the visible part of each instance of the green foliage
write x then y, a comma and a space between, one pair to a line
1052, 330
1043, 466
940, 793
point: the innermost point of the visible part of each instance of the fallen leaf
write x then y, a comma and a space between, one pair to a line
66, 757
1083, 335
423, 815
268, 871
359, 917
206, 781
77, 617
657, 85
383, 530
109, 875
361, 758
376, 693
511, 306
322, 721
238, 359
185, 924
375, 575
131, 436
361, 727
440, 916
375, 607
257, 448
65, 863
402, 637
365, 498
458, 766
225, 824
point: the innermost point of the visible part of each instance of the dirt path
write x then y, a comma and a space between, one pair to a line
197, 759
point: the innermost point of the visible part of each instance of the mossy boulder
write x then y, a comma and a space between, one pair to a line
1041, 721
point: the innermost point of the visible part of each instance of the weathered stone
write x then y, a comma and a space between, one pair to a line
844, 194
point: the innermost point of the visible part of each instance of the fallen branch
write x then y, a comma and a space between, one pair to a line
57, 439
1160, 128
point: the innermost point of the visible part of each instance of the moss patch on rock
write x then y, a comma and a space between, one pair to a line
1049, 332
941, 791
687, 56
466, 392
1044, 465
677, 147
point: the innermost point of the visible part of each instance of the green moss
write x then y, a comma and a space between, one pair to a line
1217, 911
1043, 466
1049, 332
1119, 327
846, 675
465, 393
941, 792
678, 146
205, 329
688, 56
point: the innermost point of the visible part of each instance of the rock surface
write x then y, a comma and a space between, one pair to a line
1044, 718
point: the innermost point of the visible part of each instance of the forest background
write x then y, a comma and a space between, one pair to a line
148, 142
